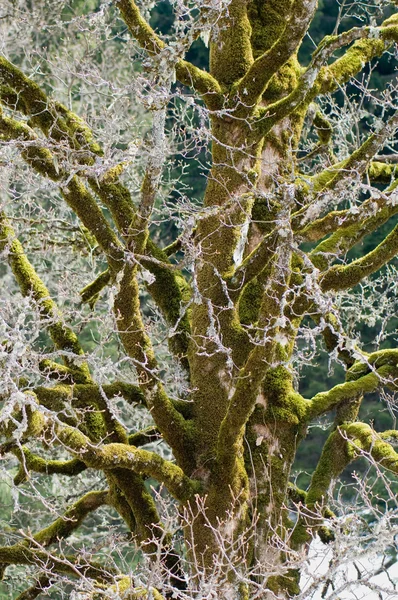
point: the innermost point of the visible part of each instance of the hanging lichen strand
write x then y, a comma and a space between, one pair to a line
292, 199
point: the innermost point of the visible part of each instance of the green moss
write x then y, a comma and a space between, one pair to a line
380, 172
139, 28
146, 519
38, 157
71, 520
285, 583
323, 127
145, 436
350, 233
30, 283
376, 360
300, 534
90, 293
274, 429
93, 425
171, 293
87, 209
231, 53
34, 99
345, 277
283, 81
336, 455
54, 119
118, 199
363, 438
80, 135
268, 23
32, 462
56, 371
250, 302
284, 404
347, 392
349, 64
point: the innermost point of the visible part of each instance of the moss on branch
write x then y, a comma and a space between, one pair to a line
74, 192
145, 436
344, 277
359, 160
231, 53
138, 346
186, 72
58, 372
56, 397
21, 93
370, 213
32, 462
68, 565
382, 172
254, 83
253, 265
351, 231
318, 79
90, 293
343, 446
361, 52
350, 390
122, 456
83, 396
71, 520
31, 284
169, 289
171, 293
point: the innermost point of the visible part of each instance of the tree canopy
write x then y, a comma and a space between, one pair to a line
191, 241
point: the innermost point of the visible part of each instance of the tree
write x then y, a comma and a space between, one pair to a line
191, 449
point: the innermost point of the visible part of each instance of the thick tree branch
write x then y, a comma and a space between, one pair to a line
145, 436
122, 456
186, 72
72, 188
375, 41
231, 52
31, 284
383, 172
32, 462
350, 390
359, 160
345, 277
343, 446
68, 565
169, 289
318, 79
260, 358
64, 526
254, 83
348, 235
138, 346
54, 119
253, 264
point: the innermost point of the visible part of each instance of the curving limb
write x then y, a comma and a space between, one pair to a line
32, 462
31, 284
319, 79
254, 83
345, 277
186, 72
122, 456
344, 445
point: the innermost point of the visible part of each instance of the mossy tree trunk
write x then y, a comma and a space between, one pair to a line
234, 320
